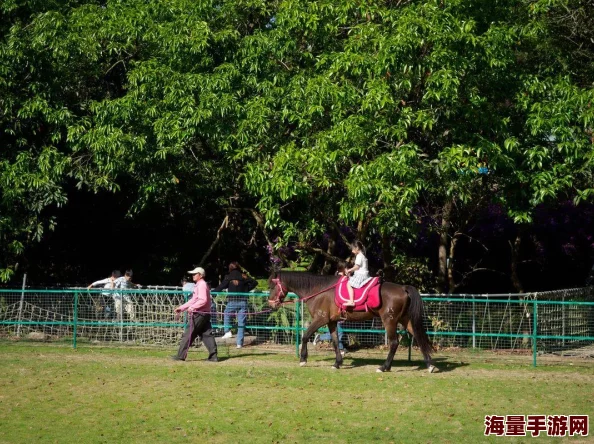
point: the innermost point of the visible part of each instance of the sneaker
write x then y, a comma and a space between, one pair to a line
342, 353
176, 358
227, 335
239, 346
215, 359
316, 339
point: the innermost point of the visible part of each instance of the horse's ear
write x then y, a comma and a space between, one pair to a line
380, 274
389, 274
273, 275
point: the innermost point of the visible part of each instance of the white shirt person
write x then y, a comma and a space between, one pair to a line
360, 272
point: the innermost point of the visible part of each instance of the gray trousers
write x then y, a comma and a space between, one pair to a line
198, 325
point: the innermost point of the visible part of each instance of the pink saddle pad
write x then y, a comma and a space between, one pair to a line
368, 296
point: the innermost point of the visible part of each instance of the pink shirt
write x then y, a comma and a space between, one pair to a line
200, 299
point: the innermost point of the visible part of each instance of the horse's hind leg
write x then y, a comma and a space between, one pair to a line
391, 331
426, 358
334, 335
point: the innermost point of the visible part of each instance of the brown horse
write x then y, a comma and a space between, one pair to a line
399, 304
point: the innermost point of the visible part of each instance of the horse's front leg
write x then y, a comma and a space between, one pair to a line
391, 326
316, 323
334, 335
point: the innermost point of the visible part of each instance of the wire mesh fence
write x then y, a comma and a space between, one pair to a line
560, 322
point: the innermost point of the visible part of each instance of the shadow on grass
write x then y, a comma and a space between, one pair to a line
231, 357
443, 365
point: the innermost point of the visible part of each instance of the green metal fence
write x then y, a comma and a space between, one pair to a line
527, 323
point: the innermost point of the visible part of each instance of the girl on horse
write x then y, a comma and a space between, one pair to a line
361, 272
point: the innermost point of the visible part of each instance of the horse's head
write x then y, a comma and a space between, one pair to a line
277, 291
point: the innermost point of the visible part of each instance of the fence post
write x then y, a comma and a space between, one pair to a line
21, 305
297, 326
473, 325
563, 325
410, 339
534, 331
75, 319
121, 315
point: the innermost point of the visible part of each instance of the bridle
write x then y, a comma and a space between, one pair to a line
281, 292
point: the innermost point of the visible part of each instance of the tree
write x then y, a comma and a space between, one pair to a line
42, 90
320, 121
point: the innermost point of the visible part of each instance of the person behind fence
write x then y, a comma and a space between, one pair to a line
360, 272
328, 337
108, 283
125, 299
198, 308
236, 282
187, 284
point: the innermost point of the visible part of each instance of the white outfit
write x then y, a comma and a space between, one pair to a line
107, 283
128, 307
361, 276
123, 283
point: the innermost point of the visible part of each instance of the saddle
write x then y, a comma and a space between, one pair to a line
366, 297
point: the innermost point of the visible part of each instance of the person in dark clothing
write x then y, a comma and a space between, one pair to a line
236, 282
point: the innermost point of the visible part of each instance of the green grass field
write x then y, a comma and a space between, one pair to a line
57, 394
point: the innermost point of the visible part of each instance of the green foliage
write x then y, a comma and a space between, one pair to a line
383, 105
415, 272
316, 113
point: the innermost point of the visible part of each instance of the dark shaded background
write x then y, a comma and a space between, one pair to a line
94, 235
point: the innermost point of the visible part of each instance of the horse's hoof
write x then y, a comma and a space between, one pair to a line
334, 367
302, 364
432, 369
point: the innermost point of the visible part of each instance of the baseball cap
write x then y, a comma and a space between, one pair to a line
198, 270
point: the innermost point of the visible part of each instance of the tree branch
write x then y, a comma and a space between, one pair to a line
325, 254
260, 222
224, 225
342, 236
466, 275
472, 239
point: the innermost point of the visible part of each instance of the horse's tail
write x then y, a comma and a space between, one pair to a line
416, 316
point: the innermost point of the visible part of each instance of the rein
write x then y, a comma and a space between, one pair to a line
304, 299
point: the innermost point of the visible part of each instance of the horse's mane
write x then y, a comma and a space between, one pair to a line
306, 281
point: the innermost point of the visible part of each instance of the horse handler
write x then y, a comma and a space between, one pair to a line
198, 309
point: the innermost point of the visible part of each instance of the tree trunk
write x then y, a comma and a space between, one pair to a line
515, 254
362, 228
327, 268
442, 273
389, 272
316, 264
450, 265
